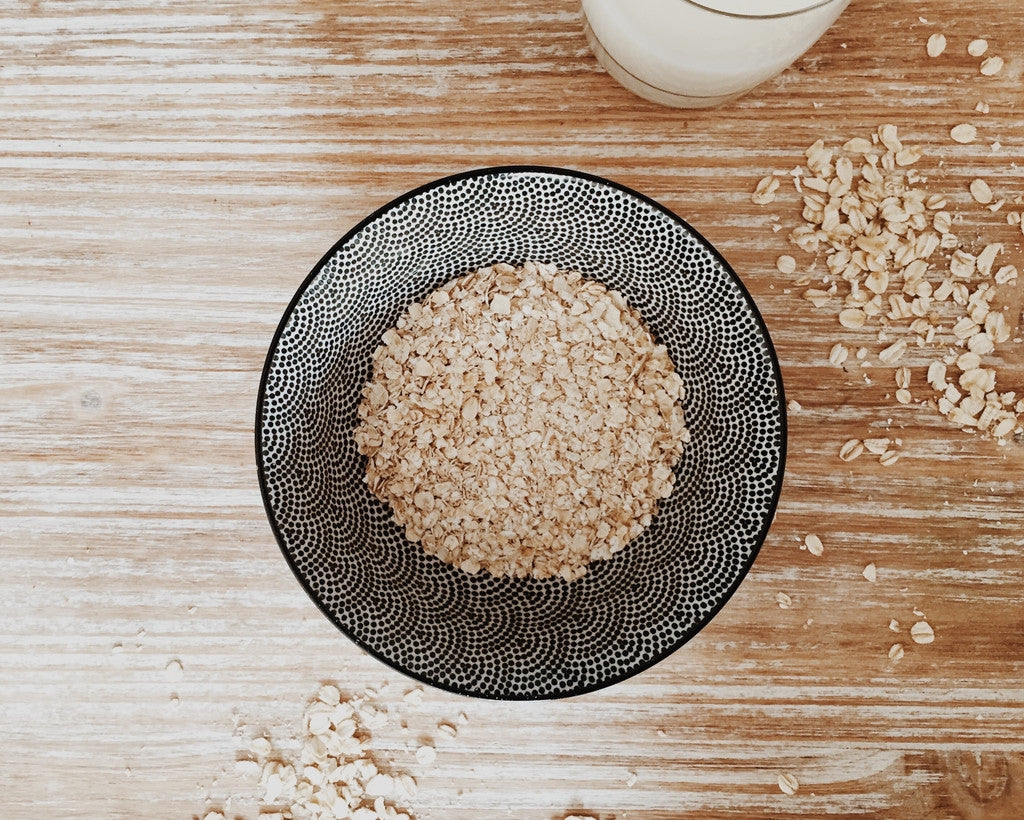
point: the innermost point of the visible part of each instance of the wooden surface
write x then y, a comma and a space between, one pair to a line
170, 171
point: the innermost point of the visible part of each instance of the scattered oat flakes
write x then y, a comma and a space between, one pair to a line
981, 192
785, 264
922, 632
813, 544
977, 47
891, 247
991, 66
894, 625
794, 406
174, 671
783, 600
631, 779
896, 652
838, 354
336, 775
936, 44
788, 784
870, 573
982, 107
964, 133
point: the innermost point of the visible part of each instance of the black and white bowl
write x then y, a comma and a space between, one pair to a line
502, 637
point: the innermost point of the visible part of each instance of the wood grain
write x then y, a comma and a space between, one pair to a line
170, 171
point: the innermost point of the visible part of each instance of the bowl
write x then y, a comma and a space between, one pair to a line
508, 638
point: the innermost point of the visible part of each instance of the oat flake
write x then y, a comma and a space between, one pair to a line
922, 632
788, 784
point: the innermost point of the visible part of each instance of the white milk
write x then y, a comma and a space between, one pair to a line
697, 53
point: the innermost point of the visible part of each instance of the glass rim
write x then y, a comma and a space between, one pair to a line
741, 8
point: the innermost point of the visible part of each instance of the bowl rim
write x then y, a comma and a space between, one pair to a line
778, 478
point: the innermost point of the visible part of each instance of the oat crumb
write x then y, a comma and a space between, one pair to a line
981, 192
426, 755
851, 449
936, 44
964, 133
174, 671
922, 632
788, 784
889, 458
991, 66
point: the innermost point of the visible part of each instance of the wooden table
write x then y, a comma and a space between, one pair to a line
170, 170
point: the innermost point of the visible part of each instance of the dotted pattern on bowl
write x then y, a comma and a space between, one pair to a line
521, 638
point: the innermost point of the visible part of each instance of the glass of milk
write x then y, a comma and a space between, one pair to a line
699, 53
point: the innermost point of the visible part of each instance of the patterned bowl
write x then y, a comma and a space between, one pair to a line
507, 638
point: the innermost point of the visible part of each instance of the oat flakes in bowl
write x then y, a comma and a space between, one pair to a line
522, 421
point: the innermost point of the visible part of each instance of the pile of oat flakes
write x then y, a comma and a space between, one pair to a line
339, 772
342, 769
522, 421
